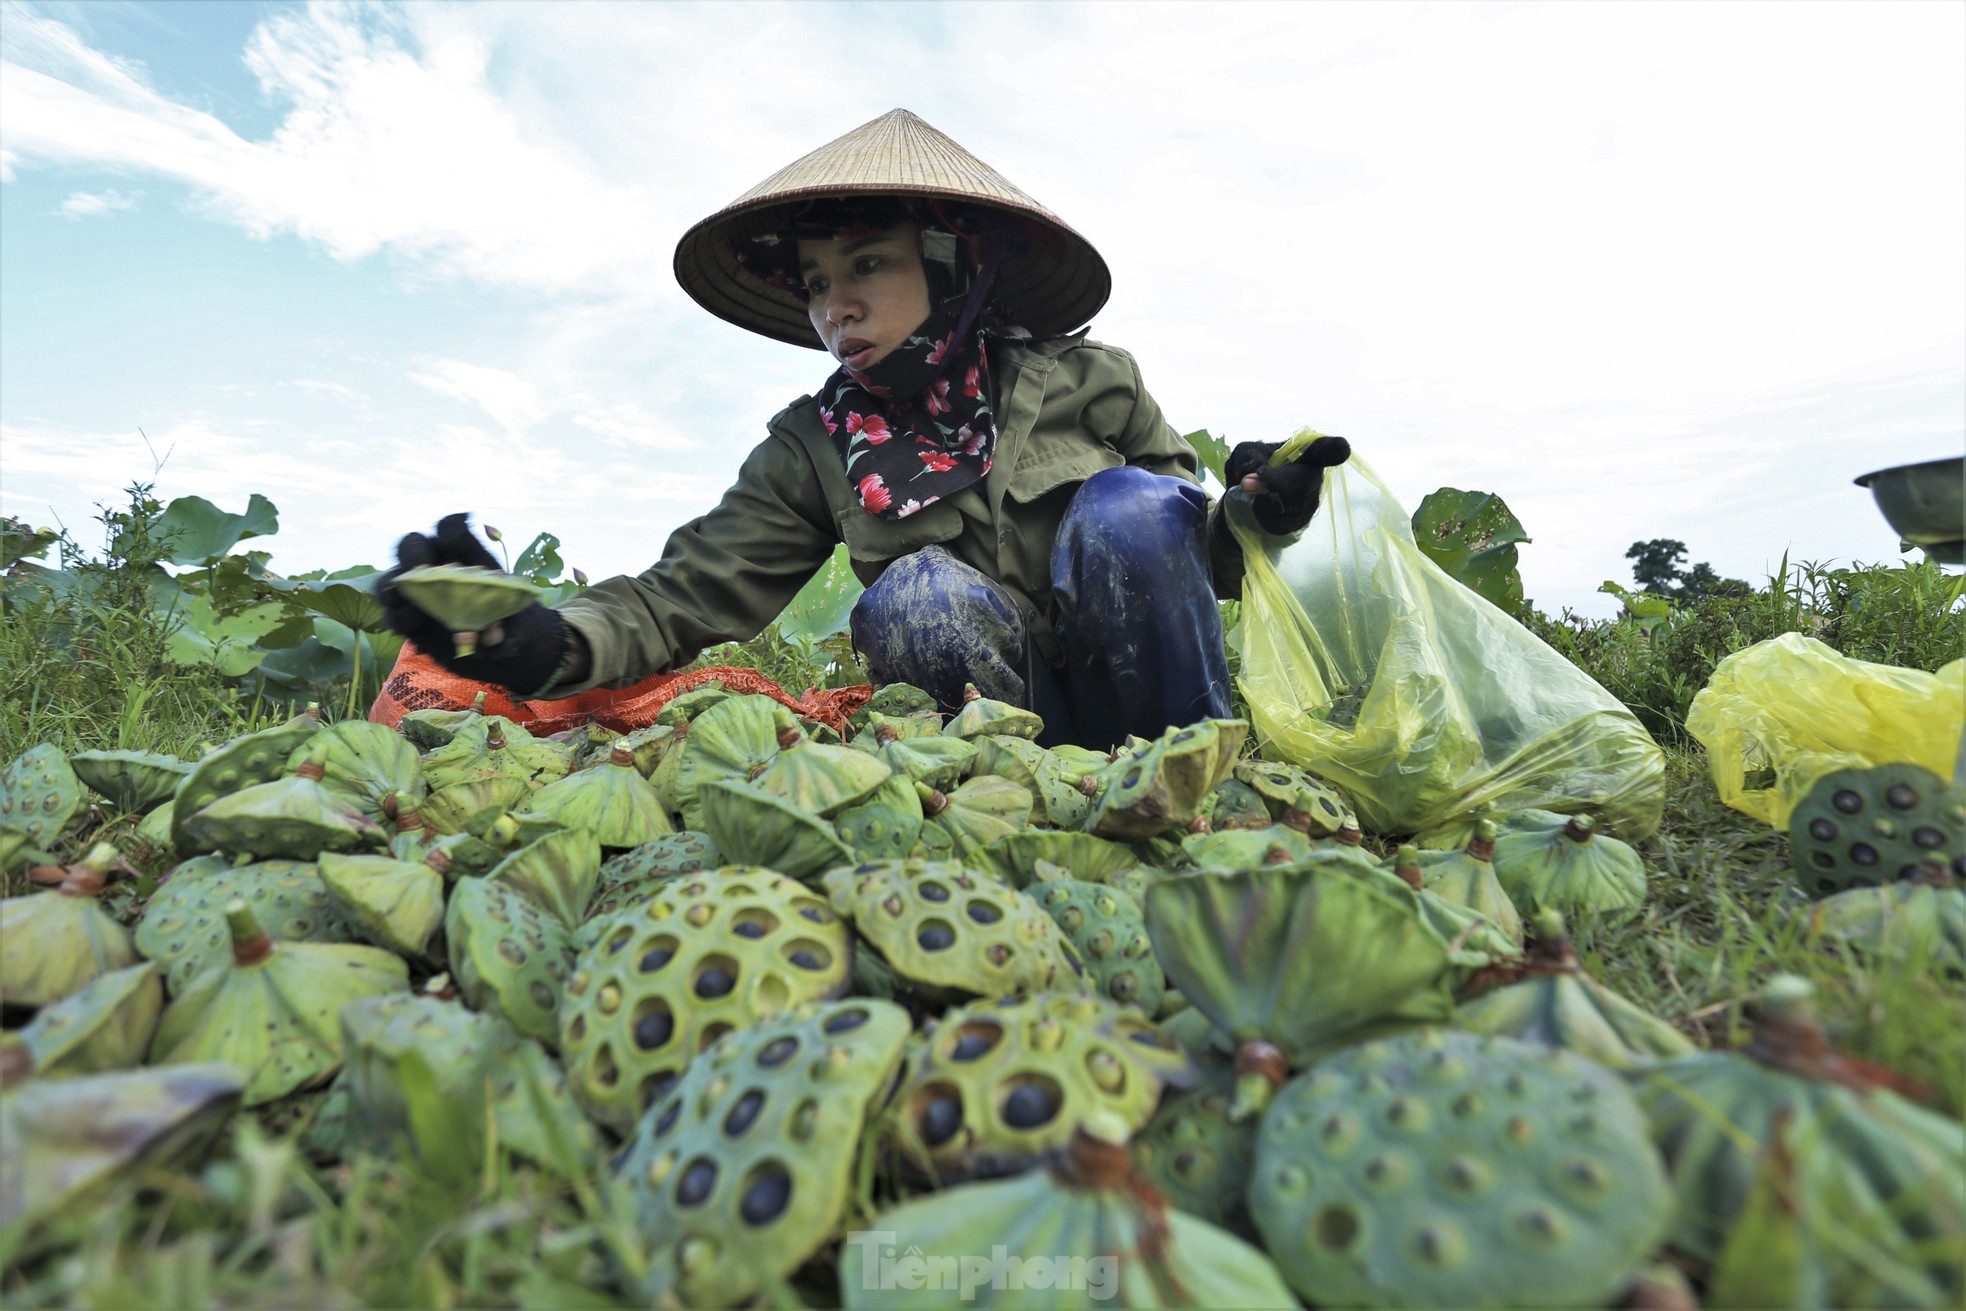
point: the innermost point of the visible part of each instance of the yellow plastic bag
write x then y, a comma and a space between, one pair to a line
1362, 660
1780, 714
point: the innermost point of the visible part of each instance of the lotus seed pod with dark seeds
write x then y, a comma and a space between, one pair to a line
611, 801
996, 1085
508, 955
1467, 878
559, 872
240, 763
466, 598
54, 943
1245, 848
950, 933
657, 983
275, 1010
476, 1058
1062, 803
454, 808
106, 1025
1282, 787
64, 1143
1087, 1232
1893, 1172
1919, 921
1199, 1158
183, 928
1163, 787
727, 742
744, 1168
1873, 825
682, 709
888, 823
818, 779
1110, 931
1235, 804
752, 827
429, 729
364, 762
39, 794
128, 780
975, 817
391, 903
981, 714
1016, 858
295, 818
627, 879
1559, 1005
1303, 956
1574, 871
1446, 1169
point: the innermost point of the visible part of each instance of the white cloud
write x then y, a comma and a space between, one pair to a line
88, 204
511, 401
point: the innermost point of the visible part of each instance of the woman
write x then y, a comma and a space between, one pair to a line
1022, 516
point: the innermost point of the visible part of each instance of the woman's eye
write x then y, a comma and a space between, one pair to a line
866, 264
814, 286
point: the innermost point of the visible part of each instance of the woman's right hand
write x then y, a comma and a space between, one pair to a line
524, 653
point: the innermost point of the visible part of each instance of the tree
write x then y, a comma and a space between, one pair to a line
1658, 564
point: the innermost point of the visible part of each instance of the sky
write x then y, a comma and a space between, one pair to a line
1644, 270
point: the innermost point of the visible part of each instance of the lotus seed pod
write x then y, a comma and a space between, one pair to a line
106, 1025
429, 729
1235, 804
1085, 1232
1283, 787
53, 944
682, 709
1016, 859
611, 801
997, 1085
395, 904
508, 955
1245, 848
275, 1012
940, 762
1919, 921
888, 823
752, 827
1198, 1157
746, 1167
454, 855
656, 984
980, 715
365, 763
1559, 1005
1873, 825
476, 1059
976, 816
627, 880
494, 748
1110, 932
727, 742
129, 780
1889, 1174
558, 873
153, 836
39, 794
1163, 787
873, 730
466, 599
950, 934
1575, 871
64, 1143
1045, 774
1445, 1169
1467, 878
647, 745
240, 763
896, 701
183, 927
1303, 956
466, 807
294, 818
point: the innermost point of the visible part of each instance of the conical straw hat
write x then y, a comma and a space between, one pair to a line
1055, 288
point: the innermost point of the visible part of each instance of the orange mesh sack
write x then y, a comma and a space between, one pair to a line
420, 683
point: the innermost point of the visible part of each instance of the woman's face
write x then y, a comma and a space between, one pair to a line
865, 295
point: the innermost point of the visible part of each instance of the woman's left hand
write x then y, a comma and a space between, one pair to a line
1284, 497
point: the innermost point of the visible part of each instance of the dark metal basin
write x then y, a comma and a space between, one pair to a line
1926, 504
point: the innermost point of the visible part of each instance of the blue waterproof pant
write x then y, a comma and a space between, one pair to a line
1137, 619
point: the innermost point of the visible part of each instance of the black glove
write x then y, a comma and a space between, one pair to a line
521, 653
1286, 497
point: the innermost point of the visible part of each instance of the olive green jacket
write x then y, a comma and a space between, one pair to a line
1066, 408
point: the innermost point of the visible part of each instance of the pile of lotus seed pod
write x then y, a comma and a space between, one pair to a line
1157, 1019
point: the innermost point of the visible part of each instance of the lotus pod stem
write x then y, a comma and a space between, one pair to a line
250, 944
1098, 1155
934, 802
1406, 864
16, 1065
1261, 1069
1482, 845
311, 769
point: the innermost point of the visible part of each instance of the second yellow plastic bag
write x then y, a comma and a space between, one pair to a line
1780, 714
1365, 662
